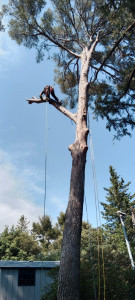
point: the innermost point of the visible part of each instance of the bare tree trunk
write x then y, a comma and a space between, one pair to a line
69, 274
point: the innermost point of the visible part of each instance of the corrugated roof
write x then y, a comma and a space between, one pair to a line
29, 264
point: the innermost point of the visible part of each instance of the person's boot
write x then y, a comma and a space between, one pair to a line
59, 102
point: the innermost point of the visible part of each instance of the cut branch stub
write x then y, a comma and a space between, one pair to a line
77, 148
36, 100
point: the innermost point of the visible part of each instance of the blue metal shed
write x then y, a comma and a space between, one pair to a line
24, 280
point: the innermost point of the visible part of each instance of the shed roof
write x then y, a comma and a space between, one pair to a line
28, 264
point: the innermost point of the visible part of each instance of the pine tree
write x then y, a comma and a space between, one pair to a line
16, 243
119, 275
118, 198
22, 224
96, 68
45, 231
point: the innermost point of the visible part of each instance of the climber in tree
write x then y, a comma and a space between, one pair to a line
47, 91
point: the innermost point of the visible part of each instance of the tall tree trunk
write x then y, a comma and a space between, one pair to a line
69, 274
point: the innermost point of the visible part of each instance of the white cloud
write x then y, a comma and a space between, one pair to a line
22, 189
15, 196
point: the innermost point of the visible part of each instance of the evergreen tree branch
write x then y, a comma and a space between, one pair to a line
52, 39
72, 19
127, 88
103, 70
113, 49
129, 81
106, 65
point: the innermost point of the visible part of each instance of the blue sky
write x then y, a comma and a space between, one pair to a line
23, 143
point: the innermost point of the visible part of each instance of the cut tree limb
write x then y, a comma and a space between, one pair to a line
36, 100
59, 107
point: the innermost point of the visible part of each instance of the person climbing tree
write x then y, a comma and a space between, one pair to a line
47, 91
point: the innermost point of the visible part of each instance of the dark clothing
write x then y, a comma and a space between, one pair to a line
53, 94
47, 91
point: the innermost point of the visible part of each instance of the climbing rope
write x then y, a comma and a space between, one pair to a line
46, 140
45, 190
45, 182
91, 256
96, 205
98, 218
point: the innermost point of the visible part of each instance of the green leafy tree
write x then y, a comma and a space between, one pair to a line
95, 67
18, 244
51, 289
119, 279
89, 262
54, 249
117, 263
118, 198
22, 224
45, 231
61, 222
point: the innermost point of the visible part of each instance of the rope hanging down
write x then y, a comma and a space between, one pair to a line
91, 256
46, 136
99, 233
44, 203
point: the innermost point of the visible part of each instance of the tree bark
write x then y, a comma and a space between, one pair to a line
69, 273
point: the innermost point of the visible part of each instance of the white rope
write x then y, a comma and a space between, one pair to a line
98, 212
91, 256
46, 140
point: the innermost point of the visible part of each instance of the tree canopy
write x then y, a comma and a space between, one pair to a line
73, 27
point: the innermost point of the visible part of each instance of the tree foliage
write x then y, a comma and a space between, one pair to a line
1, 24
19, 243
72, 27
16, 243
22, 224
117, 262
118, 199
45, 231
